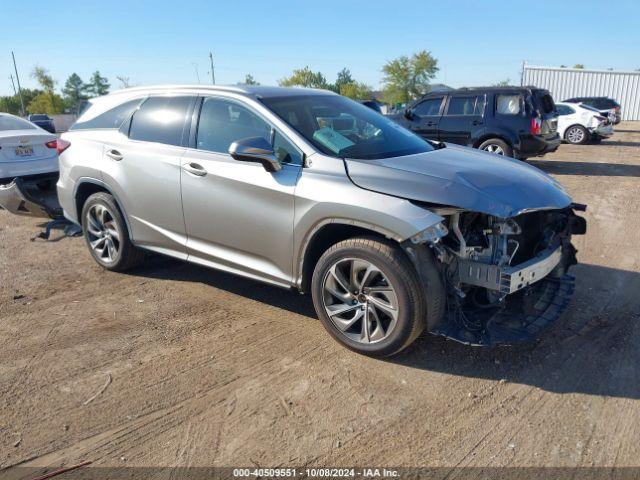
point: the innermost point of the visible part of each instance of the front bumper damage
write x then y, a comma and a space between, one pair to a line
491, 300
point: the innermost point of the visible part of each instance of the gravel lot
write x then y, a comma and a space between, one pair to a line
194, 367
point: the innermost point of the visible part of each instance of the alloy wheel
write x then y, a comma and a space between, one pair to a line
103, 233
493, 148
575, 135
360, 300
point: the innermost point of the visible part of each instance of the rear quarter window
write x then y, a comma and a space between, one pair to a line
112, 118
161, 120
509, 104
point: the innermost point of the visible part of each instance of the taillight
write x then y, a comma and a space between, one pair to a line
536, 126
59, 144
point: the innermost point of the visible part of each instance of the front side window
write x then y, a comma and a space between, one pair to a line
112, 118
15, 123
508, 104
222, 122
161, 119
429, 107
342, 128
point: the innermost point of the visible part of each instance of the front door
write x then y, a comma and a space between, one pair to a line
238, 216
463, 118
426, 116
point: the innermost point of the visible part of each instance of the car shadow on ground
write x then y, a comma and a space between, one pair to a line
619, 143
559, 167
593, 349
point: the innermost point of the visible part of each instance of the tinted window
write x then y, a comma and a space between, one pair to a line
342, 128
161, 120
471, 105
110, 119
564, 110
285, 151
508, 104
222, 122
14, 123
38, 117
428, 107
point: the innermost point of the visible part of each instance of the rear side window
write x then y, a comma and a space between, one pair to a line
14, 123
161, 120
471, 105
430, 106
111, 118
564, 110
509, 104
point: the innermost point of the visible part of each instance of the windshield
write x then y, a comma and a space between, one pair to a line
14, 123
342, 128
589, 107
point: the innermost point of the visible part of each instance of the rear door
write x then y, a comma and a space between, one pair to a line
143, 171
463, 118
426, 116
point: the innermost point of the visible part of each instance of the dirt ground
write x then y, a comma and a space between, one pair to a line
194, 367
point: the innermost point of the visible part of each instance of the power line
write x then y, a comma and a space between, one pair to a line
18, 80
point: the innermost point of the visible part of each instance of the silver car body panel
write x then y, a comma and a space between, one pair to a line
242, 219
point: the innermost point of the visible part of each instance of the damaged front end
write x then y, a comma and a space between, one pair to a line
504, 279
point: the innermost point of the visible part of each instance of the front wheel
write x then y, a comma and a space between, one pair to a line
368, 296
497, 146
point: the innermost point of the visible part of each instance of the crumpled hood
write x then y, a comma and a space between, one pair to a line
462, 177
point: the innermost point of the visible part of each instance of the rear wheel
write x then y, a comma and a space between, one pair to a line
368, 296
577, 135
497, 146
106, 234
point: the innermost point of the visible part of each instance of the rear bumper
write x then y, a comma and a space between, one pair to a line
603, 131
534, 145
10, 170
23, 196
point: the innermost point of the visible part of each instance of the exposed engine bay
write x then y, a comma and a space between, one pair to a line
504, 279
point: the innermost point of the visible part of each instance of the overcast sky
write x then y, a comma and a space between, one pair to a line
476, 43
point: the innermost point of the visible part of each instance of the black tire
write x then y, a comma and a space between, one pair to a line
127, 255
393, 263
580, 137
497, 146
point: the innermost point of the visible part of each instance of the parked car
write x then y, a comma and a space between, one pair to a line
606, 106
43, 121
311, 191
578, 123
372, 104
25, 149
517, 122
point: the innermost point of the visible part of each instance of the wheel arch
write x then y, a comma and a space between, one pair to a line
85, 187
328, 233
487, 136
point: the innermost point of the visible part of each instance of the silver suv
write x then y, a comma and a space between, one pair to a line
304, 189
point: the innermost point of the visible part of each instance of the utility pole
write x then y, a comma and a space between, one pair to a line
13, 84
18, 79
213, 75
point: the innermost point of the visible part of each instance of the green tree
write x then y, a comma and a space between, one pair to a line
578, 65
46, 101
503, 83
344, 78
98, 85
406, 78
304, 77
249, 80
73, 93
356, 90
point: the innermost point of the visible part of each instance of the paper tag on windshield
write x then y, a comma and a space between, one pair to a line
332, 139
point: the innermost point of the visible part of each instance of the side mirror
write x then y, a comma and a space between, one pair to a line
408, 114
257, 150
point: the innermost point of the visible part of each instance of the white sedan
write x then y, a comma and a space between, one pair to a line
25, 149
578, 123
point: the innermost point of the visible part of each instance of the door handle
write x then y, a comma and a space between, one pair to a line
476, 122
430, 124
114, 154
195, 169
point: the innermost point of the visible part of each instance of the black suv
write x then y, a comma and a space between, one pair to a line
607, 106
516, 121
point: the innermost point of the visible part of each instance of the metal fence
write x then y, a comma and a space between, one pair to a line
565, 83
